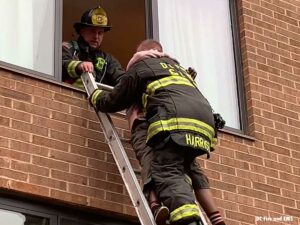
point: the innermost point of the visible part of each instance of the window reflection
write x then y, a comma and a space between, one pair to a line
16, 218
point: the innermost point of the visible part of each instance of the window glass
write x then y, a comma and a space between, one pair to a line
199, 35
15, 218
27, 34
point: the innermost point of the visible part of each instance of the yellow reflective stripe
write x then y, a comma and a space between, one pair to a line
185, 211
166, 81
78, 83
95, 96
188, 179
144, 101
214, 142
71, 68
181, 124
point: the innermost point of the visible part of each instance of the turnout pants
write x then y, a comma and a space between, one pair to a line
171, 183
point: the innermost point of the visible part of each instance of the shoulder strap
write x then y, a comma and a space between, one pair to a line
75, 46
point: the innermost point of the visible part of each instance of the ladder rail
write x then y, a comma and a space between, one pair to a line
127, 173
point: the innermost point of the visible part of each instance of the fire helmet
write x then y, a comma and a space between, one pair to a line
95, 17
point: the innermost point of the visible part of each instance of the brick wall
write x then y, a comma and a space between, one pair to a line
51, 145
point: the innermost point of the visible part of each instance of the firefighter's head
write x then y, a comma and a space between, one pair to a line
148, 45
93, 25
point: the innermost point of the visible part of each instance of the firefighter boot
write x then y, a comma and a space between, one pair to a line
161, 215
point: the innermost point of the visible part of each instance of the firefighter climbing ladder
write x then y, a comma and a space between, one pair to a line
133, 188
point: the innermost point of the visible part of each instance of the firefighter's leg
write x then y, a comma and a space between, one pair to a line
144, 154
171, 184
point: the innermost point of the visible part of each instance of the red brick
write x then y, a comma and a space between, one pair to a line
263, 170
71, 100
289, 177
5, 102
47, 182
115, 178
281, 200
13, 94
114, 197
235, 180
88, 172
272, 7
285, 4
252, 210
266, 188
30, 128
86, 191
240, 217
8, 83
277, 149
220, 168
234, 163
29, 188
290, 194
276, 133
268, 205
50, 143
80, 131
50, 124
250, 175
50, 104
4, 121
252, 193
88, 152
29, 148
278, 166
69, 119
4, 142
4, 162
112, 207
29, 168
67, 138
50, 163
33, 90
68, 197
4, 183
101, 184
103, 166
280, 183
13, 114
12, 174
291, 48
68, 157
14, 134
223, 185
98, 145
263, 24
240, 199
85, 114
292, 212
68, 177
32, 109
9, 153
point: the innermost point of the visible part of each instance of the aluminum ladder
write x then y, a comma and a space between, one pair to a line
133, 187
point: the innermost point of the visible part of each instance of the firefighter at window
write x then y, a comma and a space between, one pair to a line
181, 126
85, 55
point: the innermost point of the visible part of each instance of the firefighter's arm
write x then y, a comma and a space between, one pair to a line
121, 97
69, 61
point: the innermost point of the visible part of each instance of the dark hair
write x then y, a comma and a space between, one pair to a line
149, 44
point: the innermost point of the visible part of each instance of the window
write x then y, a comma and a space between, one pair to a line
27, 37
199, 34
20, 212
